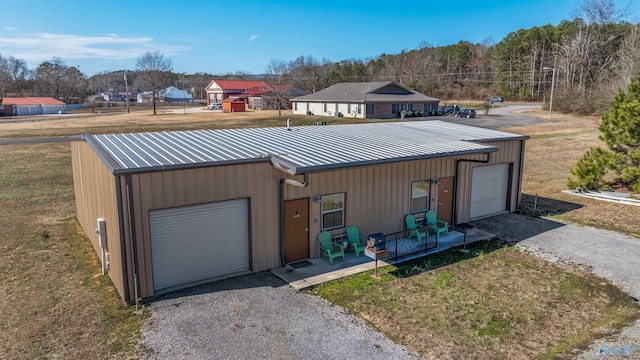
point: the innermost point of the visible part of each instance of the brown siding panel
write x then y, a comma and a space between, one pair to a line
95, 193
257, 182
378, 197
509, 153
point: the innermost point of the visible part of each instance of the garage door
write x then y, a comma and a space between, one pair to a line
199, 242
489, 188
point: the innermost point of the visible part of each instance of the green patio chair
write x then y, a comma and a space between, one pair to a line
355, 241
331, 249
415, 231
440, 226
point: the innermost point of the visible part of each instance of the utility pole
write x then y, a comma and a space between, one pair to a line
553, 80
126, 91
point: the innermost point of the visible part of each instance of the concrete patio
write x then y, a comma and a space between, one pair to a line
320, 271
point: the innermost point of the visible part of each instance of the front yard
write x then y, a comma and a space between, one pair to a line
495, 302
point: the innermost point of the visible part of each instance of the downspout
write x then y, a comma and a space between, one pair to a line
455, 184
123, 251
520, 169
132, 236
302, 184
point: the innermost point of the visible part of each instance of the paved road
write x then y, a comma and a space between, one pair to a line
499, 116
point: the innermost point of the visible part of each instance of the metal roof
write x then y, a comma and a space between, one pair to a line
386, 91
34, 100
299, 150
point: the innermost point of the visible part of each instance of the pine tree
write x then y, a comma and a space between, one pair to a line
620, 131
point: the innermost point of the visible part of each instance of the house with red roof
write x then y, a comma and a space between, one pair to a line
218, 90
31, 106
255, 94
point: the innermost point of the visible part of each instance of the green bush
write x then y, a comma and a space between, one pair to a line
590, 170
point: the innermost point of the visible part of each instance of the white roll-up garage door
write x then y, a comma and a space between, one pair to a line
199, 242
489, 188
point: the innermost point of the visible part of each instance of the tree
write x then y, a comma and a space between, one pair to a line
600, 11
50, 78
277, 76
19, 75
620, 131
154, 73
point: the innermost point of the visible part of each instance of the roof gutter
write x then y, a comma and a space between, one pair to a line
293, 182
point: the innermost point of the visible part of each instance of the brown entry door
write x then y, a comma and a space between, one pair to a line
445, 199
296, 230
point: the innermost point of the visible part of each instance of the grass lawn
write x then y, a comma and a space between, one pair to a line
55, 303
494, 302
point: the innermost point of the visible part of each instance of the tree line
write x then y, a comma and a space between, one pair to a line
587, 59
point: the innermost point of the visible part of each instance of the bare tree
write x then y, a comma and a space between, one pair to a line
277, 76
4, 75
629, 57
50, 78
19, 75
600, 11
155, 73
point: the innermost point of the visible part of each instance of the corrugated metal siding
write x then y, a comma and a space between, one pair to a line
377, 197
170, 189
95, 192
307, 147
199, 242
509, 153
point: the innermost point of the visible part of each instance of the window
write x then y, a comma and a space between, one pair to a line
295, 106
394, 108
370, 109
349, 108
325, 107
359, 109
332, 211
420, 196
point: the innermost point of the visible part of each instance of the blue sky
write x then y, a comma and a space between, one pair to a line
226, 37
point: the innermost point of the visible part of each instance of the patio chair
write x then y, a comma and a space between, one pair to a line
415, 231
440, 226
355, 241
331, 249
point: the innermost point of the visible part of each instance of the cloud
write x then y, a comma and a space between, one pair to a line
37, 47
10, 28
253, 37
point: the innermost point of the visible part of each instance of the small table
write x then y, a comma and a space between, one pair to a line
376, 254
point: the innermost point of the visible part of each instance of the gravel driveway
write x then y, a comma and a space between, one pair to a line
258, 316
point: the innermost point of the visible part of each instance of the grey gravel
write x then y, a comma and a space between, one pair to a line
259, 317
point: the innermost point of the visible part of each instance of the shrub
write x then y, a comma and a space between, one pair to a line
590, 170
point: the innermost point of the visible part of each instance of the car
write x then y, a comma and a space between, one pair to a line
452, 110
468, 113
215, 106
495, 99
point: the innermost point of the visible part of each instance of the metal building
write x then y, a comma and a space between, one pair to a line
191, 206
